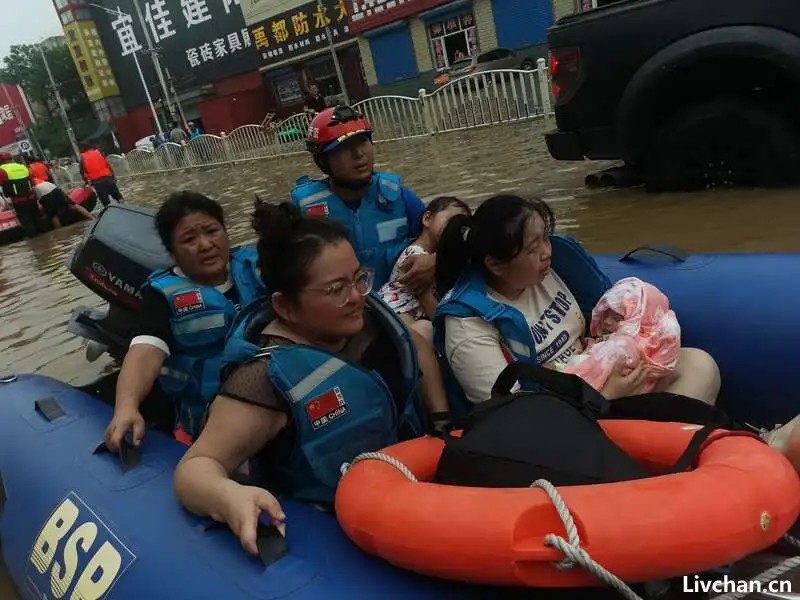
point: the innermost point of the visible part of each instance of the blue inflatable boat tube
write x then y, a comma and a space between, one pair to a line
74, 523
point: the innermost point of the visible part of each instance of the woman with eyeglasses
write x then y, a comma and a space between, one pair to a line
323, 372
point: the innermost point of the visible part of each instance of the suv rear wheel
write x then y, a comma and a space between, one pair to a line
720, 143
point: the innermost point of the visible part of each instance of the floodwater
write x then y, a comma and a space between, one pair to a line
37, 292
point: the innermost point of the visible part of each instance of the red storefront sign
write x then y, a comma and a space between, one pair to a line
369, 14
13, 107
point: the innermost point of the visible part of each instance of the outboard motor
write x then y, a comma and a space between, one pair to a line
114, 259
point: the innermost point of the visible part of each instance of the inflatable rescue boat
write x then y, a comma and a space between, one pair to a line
10, 227
77, 522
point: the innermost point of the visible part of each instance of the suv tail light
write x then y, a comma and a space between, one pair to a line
565, 67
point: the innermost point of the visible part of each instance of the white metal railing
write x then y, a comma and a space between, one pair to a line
477, 100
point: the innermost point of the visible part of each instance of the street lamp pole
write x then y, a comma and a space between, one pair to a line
156, 63
336, 66
119, 13
62, 109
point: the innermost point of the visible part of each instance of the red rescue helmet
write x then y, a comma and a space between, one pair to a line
333, 126
5, 157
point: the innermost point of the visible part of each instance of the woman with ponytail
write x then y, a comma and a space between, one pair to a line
502, 301
321, 373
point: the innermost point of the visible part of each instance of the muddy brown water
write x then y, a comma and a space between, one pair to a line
37, 292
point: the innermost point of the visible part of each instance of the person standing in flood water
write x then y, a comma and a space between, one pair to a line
381, 214
15, 179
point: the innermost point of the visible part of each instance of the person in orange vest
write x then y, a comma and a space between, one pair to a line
97, 172
39, 171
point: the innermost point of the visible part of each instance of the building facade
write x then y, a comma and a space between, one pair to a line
406, 44
90, 58
15, 116
206, 59
294, 52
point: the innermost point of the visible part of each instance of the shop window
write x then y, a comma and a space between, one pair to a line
322, 72
453, 40
288, 90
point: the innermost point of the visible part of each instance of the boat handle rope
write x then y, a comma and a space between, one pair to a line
572, 551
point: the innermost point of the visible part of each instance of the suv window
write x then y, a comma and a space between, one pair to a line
487, 56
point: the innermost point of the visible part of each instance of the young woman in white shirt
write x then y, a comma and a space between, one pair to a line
504, 252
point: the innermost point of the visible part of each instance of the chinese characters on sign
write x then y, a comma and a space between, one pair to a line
218, 48
300, 30
198, 41
6, 114
369, 14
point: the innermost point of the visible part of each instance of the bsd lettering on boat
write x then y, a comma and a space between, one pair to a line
75, 555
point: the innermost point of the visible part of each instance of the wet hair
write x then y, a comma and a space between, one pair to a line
497, 229
441, 203
288, 242
180, 204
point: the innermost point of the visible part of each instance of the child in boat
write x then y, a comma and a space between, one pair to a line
632, 324
414, 308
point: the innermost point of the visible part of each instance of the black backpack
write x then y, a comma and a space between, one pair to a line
514, 439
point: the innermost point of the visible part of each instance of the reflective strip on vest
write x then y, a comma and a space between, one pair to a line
316, 377
315, 198
389, 230
199, 324
518, 348
179, 375
392, 185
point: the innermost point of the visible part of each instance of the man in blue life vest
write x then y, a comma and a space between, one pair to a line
381, 214
185, 316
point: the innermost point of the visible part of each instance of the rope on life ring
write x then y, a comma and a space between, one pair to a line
571, 548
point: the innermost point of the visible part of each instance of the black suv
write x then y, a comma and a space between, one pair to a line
689, 93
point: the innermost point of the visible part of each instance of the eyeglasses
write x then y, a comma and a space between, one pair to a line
339, 291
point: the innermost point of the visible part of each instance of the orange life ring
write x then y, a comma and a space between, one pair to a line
741, 498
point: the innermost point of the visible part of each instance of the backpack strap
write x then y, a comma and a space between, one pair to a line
564, 386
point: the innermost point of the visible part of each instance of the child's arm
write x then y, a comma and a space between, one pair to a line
429, 303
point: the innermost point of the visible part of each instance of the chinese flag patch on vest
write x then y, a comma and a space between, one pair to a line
187, 302
326, 407
318, 210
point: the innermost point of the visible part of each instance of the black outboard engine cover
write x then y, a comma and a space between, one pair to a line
118, 253
116, 256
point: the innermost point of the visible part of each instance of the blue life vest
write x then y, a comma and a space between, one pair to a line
201, 318
470, 298
379, 228
338, 408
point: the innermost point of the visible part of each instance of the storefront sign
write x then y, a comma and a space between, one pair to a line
90, 59
14, 112
369, 14
200, 41
300, 30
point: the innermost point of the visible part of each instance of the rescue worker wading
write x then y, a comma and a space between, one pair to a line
186, 314
97, 172
17, 186
381, 214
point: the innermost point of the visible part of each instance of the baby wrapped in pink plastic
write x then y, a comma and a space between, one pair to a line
632, 322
